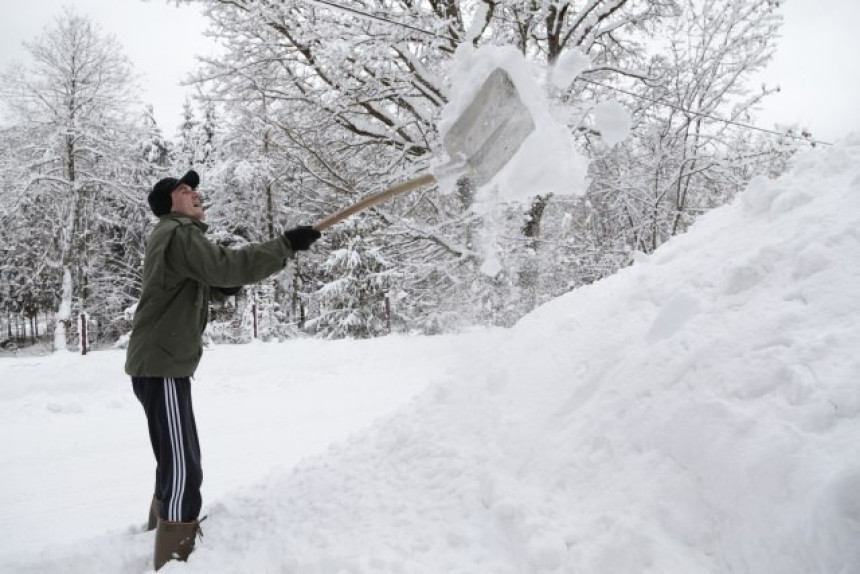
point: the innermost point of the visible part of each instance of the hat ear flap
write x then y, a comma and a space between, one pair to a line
160, 200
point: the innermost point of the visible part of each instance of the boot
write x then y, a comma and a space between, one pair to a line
174, 541
153, 515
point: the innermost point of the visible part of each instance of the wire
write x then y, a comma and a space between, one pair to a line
363, 14
685, 110
356, 12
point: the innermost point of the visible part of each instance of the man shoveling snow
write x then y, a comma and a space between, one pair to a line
181, 271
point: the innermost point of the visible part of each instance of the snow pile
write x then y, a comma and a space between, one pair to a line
697, 413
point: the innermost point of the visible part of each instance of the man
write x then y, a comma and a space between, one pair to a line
181, 270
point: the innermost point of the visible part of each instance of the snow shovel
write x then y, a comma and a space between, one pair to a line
480, 142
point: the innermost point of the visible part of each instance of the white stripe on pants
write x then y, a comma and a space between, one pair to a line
174, 505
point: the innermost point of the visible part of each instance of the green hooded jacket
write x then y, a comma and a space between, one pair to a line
180, 270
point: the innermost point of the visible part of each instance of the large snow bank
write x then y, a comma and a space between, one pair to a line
697, 412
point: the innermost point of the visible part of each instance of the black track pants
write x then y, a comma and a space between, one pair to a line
173, 433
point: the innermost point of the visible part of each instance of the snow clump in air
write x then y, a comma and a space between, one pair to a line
571, 64
612, 120
478, 21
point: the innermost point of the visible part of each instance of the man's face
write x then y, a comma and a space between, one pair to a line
187, 202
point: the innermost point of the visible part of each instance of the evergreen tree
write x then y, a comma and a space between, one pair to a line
352, 304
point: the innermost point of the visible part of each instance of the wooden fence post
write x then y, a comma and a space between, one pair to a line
388, 313
83, 333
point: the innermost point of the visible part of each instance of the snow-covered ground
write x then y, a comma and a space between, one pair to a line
697, 412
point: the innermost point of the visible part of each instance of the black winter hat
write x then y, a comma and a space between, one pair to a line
159, 198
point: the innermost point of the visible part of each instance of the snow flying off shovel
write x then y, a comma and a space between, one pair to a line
482, 140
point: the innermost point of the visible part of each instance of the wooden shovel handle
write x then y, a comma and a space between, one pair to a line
374, 199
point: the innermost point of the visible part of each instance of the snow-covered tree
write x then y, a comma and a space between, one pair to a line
154, 147
346, 99
353, 303
688, 150
71, 108
353, 102
197, 140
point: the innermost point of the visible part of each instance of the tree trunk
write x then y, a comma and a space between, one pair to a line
295, 306
529, 275
64, 312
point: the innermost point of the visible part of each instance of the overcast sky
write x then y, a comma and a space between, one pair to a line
815, 63
160, 39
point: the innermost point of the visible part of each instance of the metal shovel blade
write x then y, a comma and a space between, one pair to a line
484, 138
491, 129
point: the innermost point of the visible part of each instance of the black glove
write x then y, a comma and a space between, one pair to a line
302, 237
